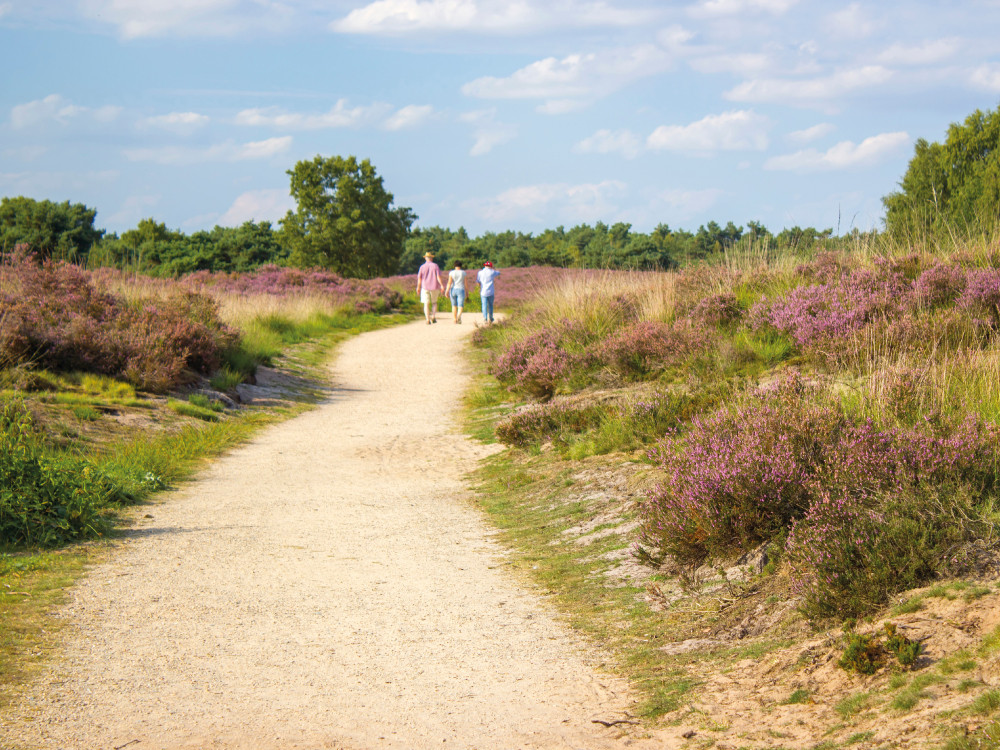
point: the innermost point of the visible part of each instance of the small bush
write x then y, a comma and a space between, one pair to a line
45, 501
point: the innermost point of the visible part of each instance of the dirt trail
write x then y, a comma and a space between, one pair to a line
325, 586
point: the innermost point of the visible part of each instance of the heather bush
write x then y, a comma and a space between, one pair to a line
54, 317
717, 310
534, 365
643, 348
540, 422
982, 295
852, 551
735, 478
940, 284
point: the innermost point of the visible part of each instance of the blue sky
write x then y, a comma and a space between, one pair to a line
485, 114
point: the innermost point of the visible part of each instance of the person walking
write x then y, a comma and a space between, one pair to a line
487, 274
456, 291
429, 286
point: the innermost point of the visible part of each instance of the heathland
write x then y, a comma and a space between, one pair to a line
766, 484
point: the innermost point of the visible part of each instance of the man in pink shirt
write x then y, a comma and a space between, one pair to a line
429, 286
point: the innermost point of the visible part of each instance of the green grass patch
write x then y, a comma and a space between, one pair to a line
188, 409
854, 704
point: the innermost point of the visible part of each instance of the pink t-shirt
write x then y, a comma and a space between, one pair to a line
428, 276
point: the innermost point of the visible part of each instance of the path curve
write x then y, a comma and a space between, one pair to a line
325, 586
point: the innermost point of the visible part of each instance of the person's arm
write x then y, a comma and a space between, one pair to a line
451, 281
419, 279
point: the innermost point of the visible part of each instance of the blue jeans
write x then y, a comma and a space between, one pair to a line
488, 308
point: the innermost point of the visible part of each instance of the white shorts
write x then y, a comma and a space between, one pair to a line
429, 295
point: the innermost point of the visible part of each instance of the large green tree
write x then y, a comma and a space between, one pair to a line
952, 188
57, 230
344, 218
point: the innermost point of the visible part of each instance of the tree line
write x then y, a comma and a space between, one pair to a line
345, 221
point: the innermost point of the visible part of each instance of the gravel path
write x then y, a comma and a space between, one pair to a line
326, 586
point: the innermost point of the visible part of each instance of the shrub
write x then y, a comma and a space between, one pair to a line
541, 421
643, 348
717, 310
940, 284
535, 365
45, 501
59, 320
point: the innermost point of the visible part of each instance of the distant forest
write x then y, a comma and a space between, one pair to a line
66, 231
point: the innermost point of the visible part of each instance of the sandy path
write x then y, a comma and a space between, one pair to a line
324, 587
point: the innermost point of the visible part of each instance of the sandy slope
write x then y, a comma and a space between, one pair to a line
326, 586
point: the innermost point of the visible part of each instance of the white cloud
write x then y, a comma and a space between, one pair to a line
927, 53
5, 8
258, 205
809, 91
731, 131
341, 115
575, 79
625, 142
190, 18
52, 107
546, 203
852, 21
709, 8
986, 77
487, 131
483, 16
686, 204
811, 134
225, 152
844, 155
132, 210
176, 122
55, 108
743, 63
408, 117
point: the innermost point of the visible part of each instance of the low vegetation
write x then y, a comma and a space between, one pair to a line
792, 440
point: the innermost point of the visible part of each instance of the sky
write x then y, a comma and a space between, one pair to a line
488, 114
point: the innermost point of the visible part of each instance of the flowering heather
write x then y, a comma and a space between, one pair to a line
642, 348
940, 284
360, 294
54, 316
716, 310
982, 294
737, 478
823, 312
535, 365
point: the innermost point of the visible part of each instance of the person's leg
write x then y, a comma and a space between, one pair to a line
489, 306
485, 301
458, 318
454, 307
434, 305
426, 299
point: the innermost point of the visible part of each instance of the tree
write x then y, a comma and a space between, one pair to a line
344, 218
952, 188
52, 230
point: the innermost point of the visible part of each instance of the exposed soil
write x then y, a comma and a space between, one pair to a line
326, 586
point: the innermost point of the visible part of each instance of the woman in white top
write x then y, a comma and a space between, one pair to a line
456, 291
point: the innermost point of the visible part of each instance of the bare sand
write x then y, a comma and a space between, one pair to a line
327, 586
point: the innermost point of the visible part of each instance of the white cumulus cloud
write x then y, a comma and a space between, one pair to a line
487, 132
810, 91
575, 79
229, 151
190, 18
739, 130
258, 205
341, 115
928, 53
625, 142
852, 21
986, 77
709, 8
176, 122
844, 155
483, 16
553, 202
408, 117
811, 134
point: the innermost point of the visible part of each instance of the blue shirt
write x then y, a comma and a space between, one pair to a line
485, 280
